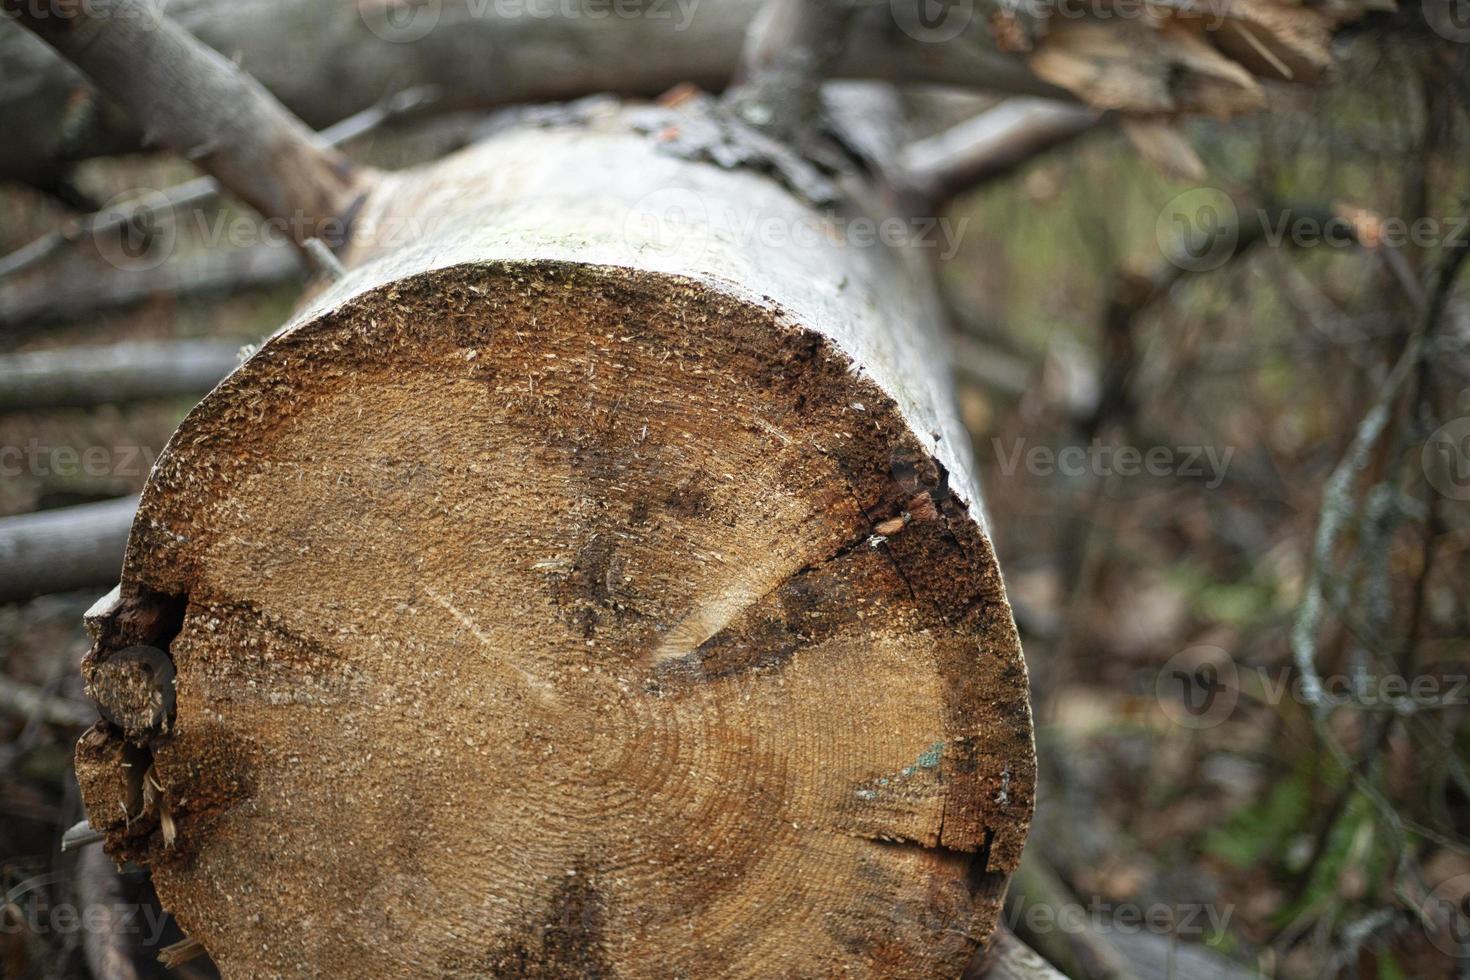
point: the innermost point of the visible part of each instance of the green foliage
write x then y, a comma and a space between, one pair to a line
1389, 969
1353, 843
1237, 602
1263, 828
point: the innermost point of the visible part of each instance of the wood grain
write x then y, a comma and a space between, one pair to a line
551, 598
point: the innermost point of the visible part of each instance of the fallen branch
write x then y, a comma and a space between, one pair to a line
202, 190
80, 377
1007, 958
191, 98
990, 145
203, 272
1080, 951
107, 938
64, 549
338, 56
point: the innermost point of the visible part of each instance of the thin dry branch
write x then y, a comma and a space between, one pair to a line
201, 190
203, 272
991, 145
64, 549
191, 98
75, 377
1170, 63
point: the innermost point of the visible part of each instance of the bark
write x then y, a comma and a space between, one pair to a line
64, 549
600, 564
324, 61
81, 377
191, 98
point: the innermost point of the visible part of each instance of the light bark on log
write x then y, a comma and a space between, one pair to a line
87, 376
594, 581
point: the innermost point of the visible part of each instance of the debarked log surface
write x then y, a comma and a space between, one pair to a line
592, 581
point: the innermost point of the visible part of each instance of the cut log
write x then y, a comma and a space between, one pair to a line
593, 582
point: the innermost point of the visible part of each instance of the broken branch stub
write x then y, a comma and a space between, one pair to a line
595, 583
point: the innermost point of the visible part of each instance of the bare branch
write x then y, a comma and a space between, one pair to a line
190, 97
789, 51
203, 272
86, 376
991, 145
107, 940
202, 190
64, 549
489, 62
1007, 958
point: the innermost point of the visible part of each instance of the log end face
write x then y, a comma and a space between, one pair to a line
562, 619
